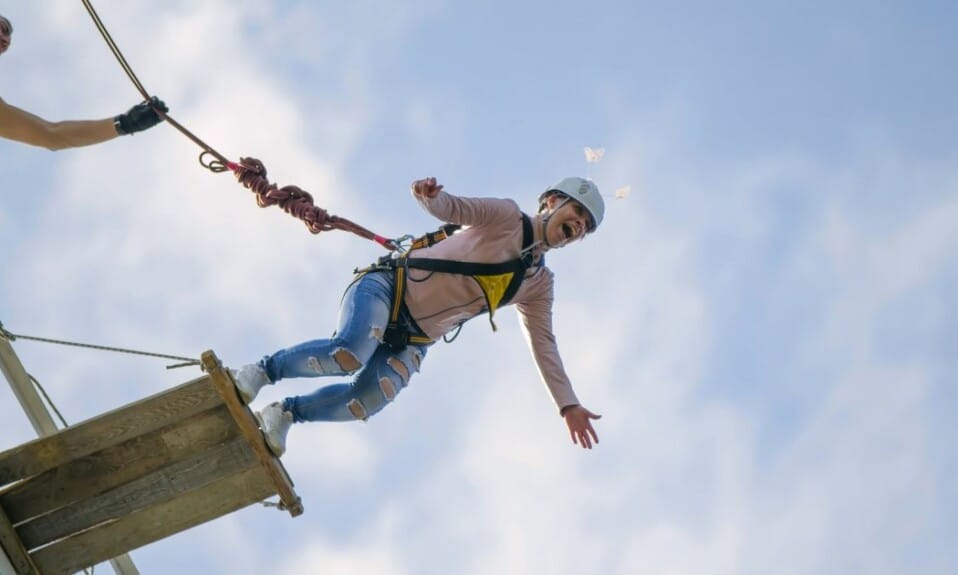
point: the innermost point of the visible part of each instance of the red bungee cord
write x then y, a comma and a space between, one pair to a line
296, 202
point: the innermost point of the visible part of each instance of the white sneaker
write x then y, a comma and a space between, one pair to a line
249, 380
274, 421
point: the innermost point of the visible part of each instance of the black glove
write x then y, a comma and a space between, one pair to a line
140, 117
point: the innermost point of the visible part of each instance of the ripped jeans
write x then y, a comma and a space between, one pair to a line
379, 373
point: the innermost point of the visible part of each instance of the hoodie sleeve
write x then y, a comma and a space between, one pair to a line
468, 211
535, 314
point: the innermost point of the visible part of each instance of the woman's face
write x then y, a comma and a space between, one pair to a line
569, 221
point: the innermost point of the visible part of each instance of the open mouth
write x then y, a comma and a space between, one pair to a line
568, 231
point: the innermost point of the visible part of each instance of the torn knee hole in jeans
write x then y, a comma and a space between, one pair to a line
399, 367
388, 388
376, 332
416, 360
357, 409
346, 360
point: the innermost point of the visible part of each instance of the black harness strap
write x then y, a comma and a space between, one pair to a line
397, 335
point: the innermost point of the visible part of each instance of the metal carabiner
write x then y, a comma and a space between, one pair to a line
403, 243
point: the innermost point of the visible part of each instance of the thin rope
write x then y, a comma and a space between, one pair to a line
115, 49
186, 361
221, 160
49, 401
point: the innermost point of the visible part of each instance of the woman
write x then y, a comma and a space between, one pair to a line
394, 311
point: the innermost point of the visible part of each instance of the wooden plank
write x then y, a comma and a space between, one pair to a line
167, 484
107, 430
138, 529
114, 466
13, 547
250, 429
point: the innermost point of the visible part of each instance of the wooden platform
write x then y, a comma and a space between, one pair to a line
135, 475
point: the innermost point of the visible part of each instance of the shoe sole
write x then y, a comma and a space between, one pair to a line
269, 443
245, 397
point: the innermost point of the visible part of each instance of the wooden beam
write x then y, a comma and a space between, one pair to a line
107, 430
13, 547
23, 389
6, 567
164, 485
104, 470
137, 529
250, 429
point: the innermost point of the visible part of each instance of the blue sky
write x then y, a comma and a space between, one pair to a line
767, 322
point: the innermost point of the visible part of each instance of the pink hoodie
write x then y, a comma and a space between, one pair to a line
438, 302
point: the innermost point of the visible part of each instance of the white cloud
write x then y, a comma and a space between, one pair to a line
816, 462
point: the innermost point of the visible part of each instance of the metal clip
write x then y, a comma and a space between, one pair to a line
403, 243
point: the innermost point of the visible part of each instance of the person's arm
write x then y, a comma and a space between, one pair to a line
22, 126
462, 211
535, 314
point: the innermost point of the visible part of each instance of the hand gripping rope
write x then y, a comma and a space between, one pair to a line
250, 172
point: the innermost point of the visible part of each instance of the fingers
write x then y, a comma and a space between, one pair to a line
584, 440
584, 437
159, 104
426, 188
589, 436
583, 433
595, 437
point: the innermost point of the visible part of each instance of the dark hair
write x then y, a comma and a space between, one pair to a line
6, 24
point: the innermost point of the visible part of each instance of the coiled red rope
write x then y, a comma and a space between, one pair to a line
250, 172
295, 201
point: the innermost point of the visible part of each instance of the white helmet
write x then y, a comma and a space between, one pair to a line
583, 191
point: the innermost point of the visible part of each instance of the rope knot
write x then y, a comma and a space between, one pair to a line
295, 201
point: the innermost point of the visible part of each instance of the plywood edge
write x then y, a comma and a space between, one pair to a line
224, 384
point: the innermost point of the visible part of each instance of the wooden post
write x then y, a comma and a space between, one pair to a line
42, 422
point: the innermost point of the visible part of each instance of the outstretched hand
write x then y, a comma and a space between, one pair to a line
426, 188
579, 421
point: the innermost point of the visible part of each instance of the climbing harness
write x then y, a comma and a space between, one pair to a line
499, 282
249, 172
